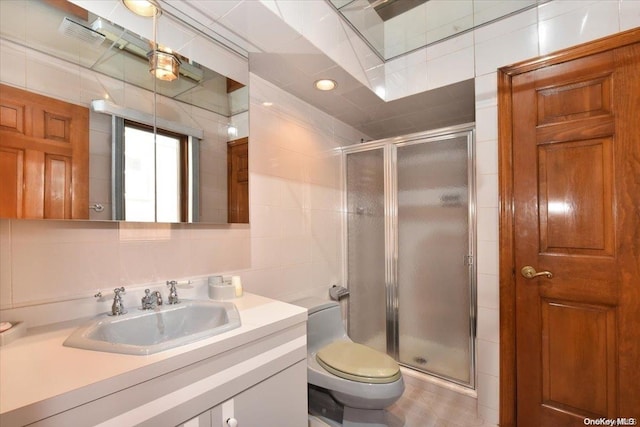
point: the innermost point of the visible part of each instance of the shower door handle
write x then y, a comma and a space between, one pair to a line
530, 272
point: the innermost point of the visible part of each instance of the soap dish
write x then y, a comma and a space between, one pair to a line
16, 331
222, 292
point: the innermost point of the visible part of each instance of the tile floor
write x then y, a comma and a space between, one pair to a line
425, 404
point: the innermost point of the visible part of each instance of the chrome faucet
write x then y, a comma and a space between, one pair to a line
173, 293
151, 300
117, 308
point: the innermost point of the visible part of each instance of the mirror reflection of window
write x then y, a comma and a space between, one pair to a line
151, 196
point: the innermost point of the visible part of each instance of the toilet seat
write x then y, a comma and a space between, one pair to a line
357, 362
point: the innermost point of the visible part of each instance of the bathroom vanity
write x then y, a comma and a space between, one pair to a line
255, 374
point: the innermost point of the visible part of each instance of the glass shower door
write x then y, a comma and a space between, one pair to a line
433, 264
410, 249
367, 317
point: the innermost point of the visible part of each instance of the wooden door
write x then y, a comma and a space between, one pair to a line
575, 183
238, 180
44, 157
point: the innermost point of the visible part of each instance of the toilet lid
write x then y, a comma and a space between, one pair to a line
357, 362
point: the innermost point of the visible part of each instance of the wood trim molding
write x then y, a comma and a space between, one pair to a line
507, 268
579, 51
238, 141
68, 7
506, 254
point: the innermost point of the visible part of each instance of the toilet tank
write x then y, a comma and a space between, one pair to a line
325, 323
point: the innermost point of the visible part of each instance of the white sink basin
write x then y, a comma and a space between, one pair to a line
150, 331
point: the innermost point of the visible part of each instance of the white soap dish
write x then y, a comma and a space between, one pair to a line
222, 292
14, 332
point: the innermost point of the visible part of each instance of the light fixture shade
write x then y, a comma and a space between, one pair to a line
146, 8
163, 65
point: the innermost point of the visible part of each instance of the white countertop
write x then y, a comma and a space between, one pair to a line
38, 370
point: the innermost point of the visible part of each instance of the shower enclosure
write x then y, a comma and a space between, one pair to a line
410, 250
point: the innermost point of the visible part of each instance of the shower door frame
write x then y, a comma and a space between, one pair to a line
391, 231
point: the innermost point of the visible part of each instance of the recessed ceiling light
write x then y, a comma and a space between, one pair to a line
267, 103
146, 8
325, 84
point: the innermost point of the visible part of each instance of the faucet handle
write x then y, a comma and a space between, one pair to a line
173, 293
145, 300
117, 308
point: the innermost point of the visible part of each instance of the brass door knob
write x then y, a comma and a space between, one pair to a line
530, 272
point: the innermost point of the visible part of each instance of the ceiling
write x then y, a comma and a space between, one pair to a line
354, 103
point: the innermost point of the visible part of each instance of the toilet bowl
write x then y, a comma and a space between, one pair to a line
362, 381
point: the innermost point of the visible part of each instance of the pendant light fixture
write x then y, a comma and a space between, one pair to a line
163, 64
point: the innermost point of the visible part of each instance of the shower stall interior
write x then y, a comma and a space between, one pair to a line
410, 250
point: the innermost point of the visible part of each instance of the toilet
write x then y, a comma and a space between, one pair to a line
349, 384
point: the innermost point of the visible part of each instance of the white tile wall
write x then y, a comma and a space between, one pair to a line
295, 192
629, 14
567, 23
505, 49
447, 69
14, 57
488, 291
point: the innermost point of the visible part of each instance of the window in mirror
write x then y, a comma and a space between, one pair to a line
155, 175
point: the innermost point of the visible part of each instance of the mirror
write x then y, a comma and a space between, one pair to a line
58, 50
396, 27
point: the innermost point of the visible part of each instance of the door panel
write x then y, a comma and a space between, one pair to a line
56, 127
11, 179
563, 102
576, 200
433, 205
238, 181
57, 195
576, 181
53, 137
578, 358
366, 253
12, 116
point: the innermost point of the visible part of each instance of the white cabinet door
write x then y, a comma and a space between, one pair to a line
274, 402
202, 420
